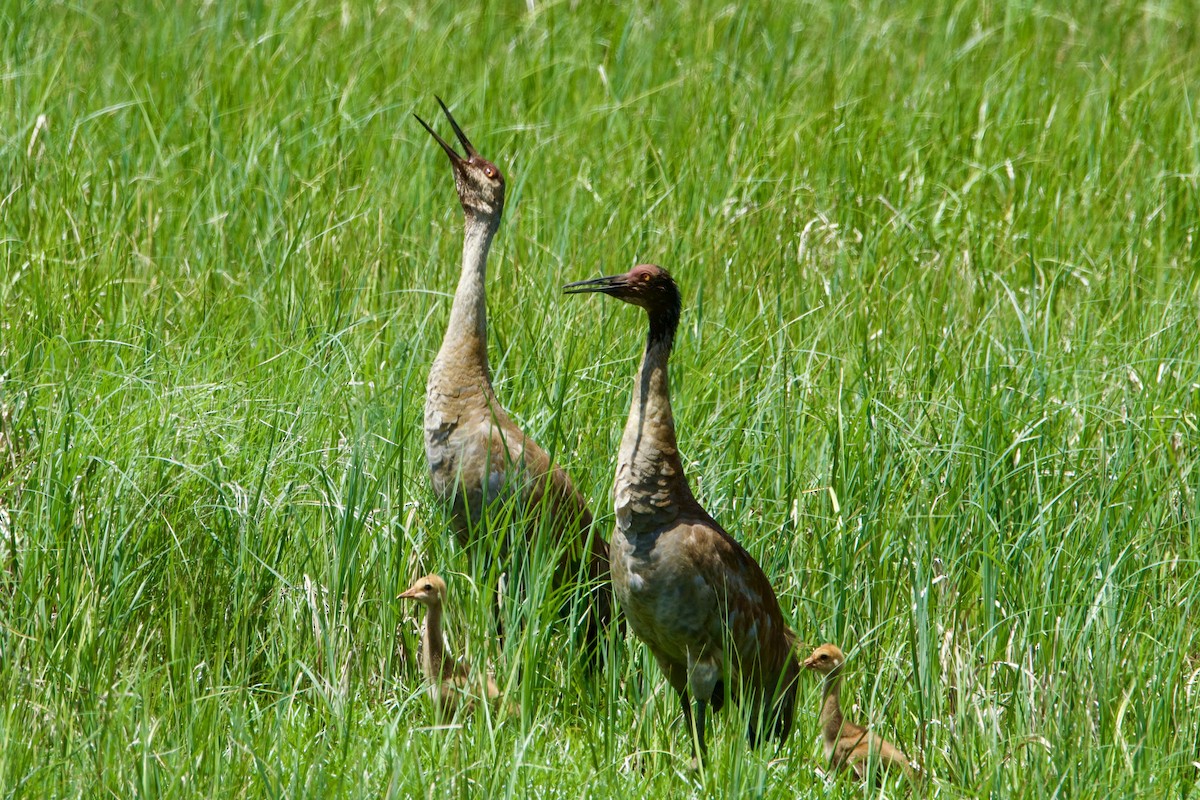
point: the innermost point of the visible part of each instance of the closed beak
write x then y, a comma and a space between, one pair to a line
608, 285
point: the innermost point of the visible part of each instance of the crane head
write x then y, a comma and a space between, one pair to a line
646, 285
428, 591
478, 181
825, 659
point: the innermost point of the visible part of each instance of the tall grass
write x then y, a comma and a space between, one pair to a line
939, 370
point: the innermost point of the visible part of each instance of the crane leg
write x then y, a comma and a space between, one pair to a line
701, 744
703, 678
694, 721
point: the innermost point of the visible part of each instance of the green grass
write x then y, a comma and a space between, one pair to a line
939, 370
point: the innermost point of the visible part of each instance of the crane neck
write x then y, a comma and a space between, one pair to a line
651, 488
433, 645
652, 395
465, 343
831, 706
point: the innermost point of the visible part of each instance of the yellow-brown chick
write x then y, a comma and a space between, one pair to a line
451, 686
847, 745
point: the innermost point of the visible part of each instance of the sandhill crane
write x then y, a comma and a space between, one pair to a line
694, 595
477, 456
849, 746
449, 683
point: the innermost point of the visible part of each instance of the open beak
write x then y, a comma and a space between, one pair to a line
455, 158
609, 285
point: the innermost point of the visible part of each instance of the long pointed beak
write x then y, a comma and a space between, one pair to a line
408, 595
608, 285
455, 158
462, 137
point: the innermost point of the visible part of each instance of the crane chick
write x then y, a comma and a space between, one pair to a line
450, 685
849, 746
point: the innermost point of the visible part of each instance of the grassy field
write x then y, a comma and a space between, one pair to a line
939, 370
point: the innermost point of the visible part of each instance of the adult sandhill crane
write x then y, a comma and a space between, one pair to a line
849, 746
694, 595
477, 456
449, 682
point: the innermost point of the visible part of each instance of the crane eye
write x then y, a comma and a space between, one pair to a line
645, 277
428, 587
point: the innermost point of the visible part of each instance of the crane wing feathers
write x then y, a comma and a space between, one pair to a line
752, 623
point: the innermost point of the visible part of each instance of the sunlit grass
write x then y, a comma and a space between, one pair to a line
939, 370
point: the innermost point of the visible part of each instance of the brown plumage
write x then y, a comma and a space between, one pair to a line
694, 595
478, 458
450, 684
849, 746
